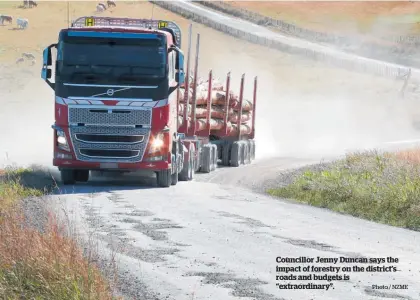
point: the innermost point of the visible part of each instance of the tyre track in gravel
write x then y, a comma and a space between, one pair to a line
218, 241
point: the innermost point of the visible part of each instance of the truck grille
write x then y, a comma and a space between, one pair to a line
109, 117
109, 144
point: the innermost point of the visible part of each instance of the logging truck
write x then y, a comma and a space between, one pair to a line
124, 102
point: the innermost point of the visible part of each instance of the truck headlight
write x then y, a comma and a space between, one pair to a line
157, 143
62, 141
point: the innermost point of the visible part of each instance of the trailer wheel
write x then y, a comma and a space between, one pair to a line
187, 172
174, 178
213, 160
207, 158
252, 147
68, 176
236, 153
226, 154
216, 156
164, 178
244, 153
81, 175
176, 160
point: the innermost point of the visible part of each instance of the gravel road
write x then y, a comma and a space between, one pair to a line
218, 237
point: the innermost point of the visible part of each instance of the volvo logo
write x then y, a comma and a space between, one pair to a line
110, 92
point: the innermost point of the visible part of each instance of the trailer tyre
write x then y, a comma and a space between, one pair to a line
174, 178
213, 158
207, 159
236, 153
216, 156
164, 178
187, 172
226, 154
68, 176
252, 148
81, 175
244, 153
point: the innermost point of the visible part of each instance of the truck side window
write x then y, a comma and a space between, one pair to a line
171, 65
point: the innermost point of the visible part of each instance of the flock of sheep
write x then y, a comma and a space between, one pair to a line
102, 7
23, 24
20, 22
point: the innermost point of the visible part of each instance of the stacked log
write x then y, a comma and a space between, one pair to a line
218, 103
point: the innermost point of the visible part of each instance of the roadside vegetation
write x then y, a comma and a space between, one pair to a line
381, 187
40, 263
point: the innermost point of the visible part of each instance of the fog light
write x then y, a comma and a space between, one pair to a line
155, 158
63, 156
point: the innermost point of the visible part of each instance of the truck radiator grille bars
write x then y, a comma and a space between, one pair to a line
99, 141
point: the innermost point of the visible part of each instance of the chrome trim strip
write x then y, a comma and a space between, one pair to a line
104, 134
109, 157
111, 98
113, 86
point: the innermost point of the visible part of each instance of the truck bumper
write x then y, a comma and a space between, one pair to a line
75, 164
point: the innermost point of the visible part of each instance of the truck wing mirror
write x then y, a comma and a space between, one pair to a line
180, 77
46, 71
179, 65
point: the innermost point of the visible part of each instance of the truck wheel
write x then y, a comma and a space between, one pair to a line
68, 176
236, 153
164, 178
213, 157
187, 173
244, 153
81, 175
252, 147
206, 159
226, 154
176, 160
174, 178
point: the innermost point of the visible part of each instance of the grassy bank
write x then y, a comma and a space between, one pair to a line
35, 264
381, 187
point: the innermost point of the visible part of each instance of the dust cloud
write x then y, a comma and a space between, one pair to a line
26, 116
304, 108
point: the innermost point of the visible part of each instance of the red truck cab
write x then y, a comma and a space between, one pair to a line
115, 100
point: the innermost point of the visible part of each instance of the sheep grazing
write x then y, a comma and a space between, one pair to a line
100, 7
22, 23
7, 19
29, 56
32, 4
111, 3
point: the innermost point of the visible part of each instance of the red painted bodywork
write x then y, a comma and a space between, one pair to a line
161, 118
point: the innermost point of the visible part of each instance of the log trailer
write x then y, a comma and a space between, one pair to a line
117, 89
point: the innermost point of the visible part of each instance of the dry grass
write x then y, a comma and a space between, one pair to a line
411, 155
35, 265
46, 20
379, 187
341, 16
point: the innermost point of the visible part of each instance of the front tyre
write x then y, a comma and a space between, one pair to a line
164, 178
68, 176
81, 175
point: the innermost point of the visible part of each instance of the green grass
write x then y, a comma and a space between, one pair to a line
35, 265
373, 186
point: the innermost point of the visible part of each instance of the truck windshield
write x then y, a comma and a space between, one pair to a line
116, 60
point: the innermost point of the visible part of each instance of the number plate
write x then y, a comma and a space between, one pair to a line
108, 166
